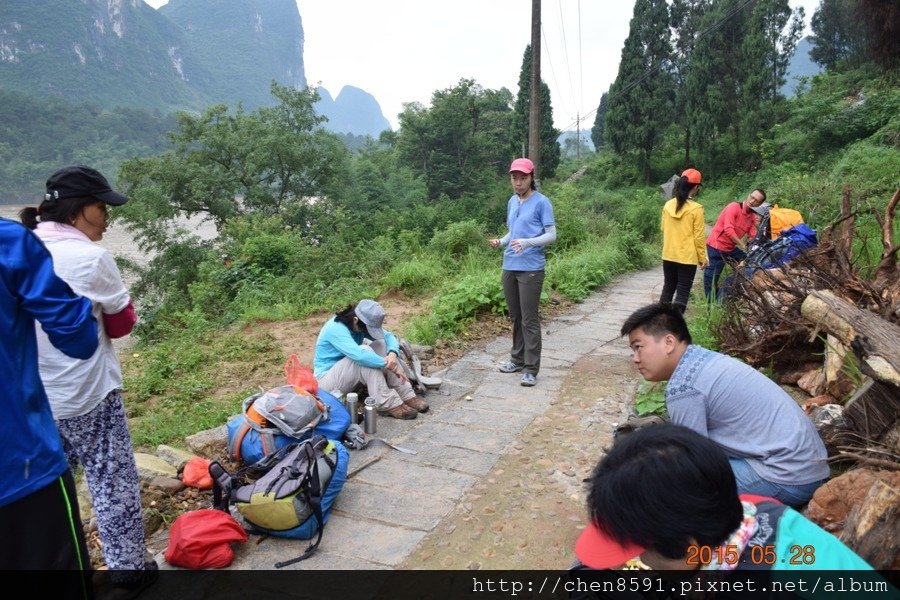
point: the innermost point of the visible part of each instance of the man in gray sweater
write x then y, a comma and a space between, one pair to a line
772, 445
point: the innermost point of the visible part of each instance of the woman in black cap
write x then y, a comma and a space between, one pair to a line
85, 395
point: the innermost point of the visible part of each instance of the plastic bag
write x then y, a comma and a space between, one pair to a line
201, 539
299, 376
196, 474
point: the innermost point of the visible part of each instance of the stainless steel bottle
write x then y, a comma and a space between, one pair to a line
370, 416
352, 399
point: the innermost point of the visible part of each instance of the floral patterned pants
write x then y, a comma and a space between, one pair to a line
100, 442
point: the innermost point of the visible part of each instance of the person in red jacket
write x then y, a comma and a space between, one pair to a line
727, 242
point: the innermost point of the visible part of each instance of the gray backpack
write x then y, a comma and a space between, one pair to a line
270, 420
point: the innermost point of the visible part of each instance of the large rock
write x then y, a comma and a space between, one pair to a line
174, 456
150, 467
831, 503
209, 443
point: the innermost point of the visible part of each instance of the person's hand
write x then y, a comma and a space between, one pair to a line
517, 246
393, 365
495, 243
392, 361
704, 264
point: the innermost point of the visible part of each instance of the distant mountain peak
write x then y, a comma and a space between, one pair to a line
354, 111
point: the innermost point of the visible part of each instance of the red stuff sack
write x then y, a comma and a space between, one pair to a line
201, 539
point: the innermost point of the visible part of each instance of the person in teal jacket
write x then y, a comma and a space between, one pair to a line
353, 349
40, 524
668, 495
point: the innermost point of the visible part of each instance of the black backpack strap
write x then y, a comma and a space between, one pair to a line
222, 485
313, 496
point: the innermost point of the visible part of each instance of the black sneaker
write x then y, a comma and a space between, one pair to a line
130, 584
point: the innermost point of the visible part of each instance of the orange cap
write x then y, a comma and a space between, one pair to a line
693, 176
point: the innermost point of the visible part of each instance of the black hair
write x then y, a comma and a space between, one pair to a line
63, 210
683, 189
346, 317
658, 320
664, 488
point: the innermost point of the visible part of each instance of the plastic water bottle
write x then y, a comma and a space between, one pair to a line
370, 416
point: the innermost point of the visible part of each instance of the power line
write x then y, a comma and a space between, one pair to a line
656, 68
549, 59
580, 65
562, 27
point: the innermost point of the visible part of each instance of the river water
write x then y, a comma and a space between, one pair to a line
118, 239
120, 242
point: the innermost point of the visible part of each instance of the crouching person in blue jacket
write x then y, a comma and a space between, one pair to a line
353, 349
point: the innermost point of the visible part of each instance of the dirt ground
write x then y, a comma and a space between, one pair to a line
529, 510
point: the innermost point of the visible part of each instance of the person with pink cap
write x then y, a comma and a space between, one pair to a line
684, 240
531, 226
668, 495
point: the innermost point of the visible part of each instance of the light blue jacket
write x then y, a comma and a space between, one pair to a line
336, 341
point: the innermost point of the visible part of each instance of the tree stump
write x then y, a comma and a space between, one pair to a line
871, 529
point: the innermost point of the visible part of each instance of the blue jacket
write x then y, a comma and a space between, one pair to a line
336, 341
32, 454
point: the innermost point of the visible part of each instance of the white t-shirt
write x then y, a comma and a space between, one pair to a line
75, 387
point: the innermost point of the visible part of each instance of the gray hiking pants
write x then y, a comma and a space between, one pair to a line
522, 290
383, 385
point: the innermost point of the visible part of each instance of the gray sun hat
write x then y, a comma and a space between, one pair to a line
762, 209
372, 316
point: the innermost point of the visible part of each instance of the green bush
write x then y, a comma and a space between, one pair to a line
457, 239
414, 275
576, 273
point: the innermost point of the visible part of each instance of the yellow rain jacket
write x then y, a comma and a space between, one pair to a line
684, 238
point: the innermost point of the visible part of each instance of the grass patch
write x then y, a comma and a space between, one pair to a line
192, 381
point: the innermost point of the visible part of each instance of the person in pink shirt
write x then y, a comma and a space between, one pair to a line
727, 242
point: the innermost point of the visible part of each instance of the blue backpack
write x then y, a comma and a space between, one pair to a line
785, 248
250, 442
288, 493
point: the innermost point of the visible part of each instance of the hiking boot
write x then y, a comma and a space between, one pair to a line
130, 584
418, 403
528, 379
401, 411
511, 367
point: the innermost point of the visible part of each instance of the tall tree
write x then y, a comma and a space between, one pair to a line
714, 82
685, 19
772, 35
837, 33
549, 135
597, 131
882, 21
641, 98
462, 139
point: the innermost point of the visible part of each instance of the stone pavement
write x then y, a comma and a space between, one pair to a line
392, 500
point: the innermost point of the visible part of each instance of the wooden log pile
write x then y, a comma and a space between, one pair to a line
832, 328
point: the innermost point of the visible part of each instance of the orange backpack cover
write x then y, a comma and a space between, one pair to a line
783, 218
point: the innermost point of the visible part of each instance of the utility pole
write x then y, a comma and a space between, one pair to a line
578, 136
534, 115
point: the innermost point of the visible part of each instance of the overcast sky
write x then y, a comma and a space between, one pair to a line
403, 50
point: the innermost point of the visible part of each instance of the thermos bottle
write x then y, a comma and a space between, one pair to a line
352, 400
370, 416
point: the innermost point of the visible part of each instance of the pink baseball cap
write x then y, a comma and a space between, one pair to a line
522, 165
